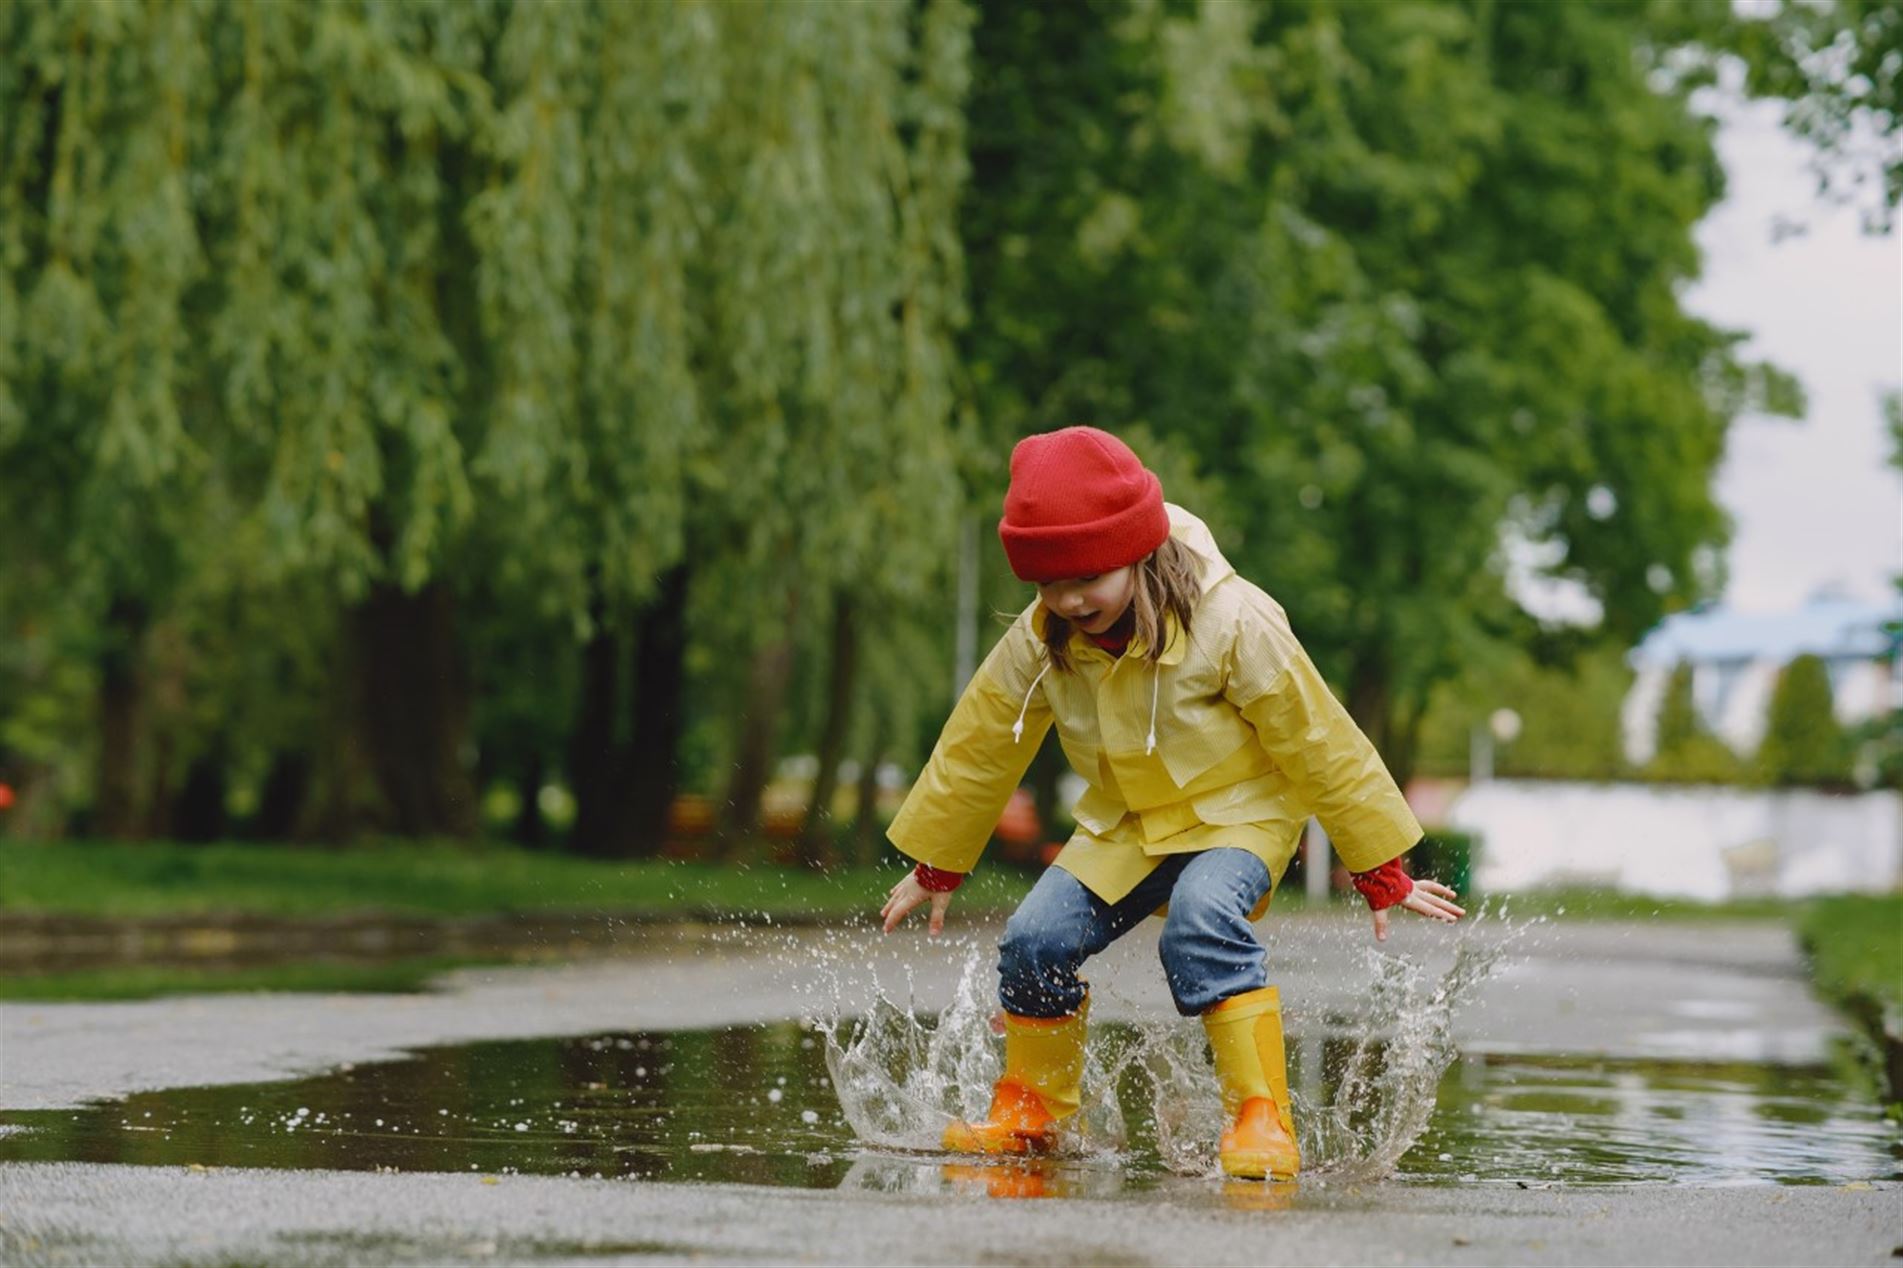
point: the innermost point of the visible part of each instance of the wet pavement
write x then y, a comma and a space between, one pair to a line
1624, 1092
72, 1214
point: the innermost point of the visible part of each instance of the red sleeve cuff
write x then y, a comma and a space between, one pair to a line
937, 880
1384, 886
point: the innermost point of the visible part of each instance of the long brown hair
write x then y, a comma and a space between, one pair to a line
1167, 585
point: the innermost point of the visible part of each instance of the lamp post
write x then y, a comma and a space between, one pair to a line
1503, 726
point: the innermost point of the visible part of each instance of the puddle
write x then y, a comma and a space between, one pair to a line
756, 1105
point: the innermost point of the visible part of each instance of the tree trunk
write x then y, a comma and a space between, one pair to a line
529, 828
816, 835
591, 747
767, 675
165, 706
198, 816
1371, 704
334, 796
652, 763
117, 801
416, 709
865, 822
281, 804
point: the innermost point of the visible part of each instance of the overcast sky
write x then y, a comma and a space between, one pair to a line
1815, 503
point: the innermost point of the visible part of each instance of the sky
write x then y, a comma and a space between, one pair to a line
1814, 503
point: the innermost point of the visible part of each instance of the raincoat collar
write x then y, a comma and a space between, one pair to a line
1174, 644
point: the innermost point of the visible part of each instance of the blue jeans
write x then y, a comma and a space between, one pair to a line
1208, 949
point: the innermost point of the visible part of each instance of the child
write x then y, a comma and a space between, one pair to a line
1205, 739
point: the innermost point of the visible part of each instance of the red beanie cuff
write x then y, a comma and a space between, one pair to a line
1060, 552
1080, 503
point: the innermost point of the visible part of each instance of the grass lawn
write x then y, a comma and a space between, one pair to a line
1856, 951
149, 981
166, 880
434, 879
1605, 904
1854, 942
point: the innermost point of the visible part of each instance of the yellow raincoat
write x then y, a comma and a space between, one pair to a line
1231, 739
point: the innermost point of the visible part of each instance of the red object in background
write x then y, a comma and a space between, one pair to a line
6, 796
1018, 824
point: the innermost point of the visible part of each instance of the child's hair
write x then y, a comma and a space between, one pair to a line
1166, 584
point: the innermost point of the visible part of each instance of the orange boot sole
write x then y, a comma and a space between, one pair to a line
1017, 1124
1259, 1146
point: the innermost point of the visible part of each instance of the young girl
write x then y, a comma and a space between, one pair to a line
1205, 738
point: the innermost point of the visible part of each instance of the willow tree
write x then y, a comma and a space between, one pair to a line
424, 313
830, 490
717, 262
103, 464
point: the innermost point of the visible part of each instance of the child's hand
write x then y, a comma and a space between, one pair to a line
1431, 899
906, 895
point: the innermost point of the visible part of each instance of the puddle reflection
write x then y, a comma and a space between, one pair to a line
754, 1105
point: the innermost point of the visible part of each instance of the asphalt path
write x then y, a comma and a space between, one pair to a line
1694, 991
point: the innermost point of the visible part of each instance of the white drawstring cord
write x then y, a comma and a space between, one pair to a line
1156, 681
1017, 728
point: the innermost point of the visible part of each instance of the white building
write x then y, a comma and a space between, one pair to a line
1685, 841
1736, 658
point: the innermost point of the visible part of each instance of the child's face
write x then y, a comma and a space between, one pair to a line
1092, 604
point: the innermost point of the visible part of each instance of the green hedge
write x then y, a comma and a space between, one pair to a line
1855, 943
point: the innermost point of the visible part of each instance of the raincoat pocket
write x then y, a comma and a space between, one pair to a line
1267, 799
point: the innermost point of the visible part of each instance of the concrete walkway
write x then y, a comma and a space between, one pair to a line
1693, 991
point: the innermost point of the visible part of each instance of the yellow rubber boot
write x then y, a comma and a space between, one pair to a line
1041, 1086
1245, 1036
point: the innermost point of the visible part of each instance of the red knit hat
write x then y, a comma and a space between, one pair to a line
1080, 503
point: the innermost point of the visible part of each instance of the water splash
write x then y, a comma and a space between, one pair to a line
1364, 1083
1380, 1098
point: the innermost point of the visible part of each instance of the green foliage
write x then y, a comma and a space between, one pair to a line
1855, 943
1570, 717
523, 306
1803, 741
1685, 751
1856, 946
1840, 68
524, 300
1447, 856
1678, 723
1405, 275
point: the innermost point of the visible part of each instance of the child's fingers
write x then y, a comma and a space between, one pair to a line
1434, 907
939, 903
1380, 926
895, 910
